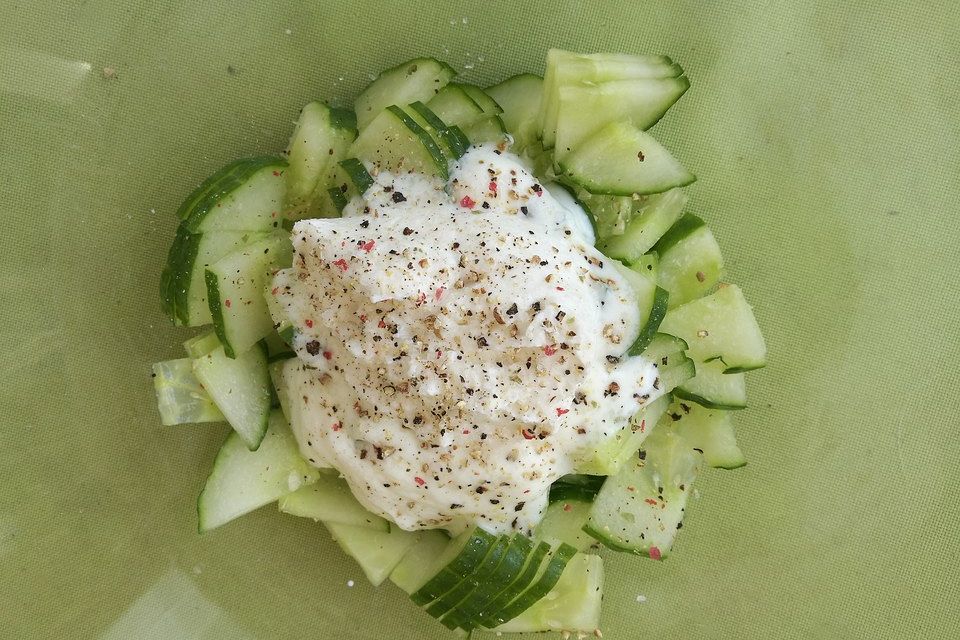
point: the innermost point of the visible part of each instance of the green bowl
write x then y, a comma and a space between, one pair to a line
825, 138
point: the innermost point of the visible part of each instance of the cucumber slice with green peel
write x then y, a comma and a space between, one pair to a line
277, 349
519, 97
691, 263
235, 285
649, 265
242, 480
452, 139
464, 615
183, 288
329, 500
489, 129
240, 387
358, 174
640, 509
202, 344
663, 345
377, 552
609, 457
417, 79
563, 522
410, 573
720, 325
246, 195
611, 212
455, 107
541, 586
621, 159
321, 136
651, 323
584, 109
713, 388
651, 219
480, 575
486, 103
530, 572
580, 487
709, 431
462, 556
573, 605
394, 142
181, 399
676, 371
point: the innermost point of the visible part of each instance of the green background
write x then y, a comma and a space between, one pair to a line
825, 136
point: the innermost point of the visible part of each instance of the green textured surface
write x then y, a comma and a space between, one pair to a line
825, 136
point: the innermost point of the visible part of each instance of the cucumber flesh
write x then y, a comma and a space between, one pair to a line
573, 605
181, 398
394, 142
652, 301
649, 221
691, 265
235, 286
242, 480
455, 107
675, 371
709, 431
358, 174
488, 129
468, 585
240, 387
563, 522
520, 97
462, 556
321, 136
545, 581
615, 452
713, 388
580, 487
621, 159
530, 572
201, 345
377, 552
720, 325
410, 573
486, 103
417, 79
329, 500
452, 139
246, 195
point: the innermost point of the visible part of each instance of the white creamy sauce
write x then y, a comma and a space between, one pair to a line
461, 346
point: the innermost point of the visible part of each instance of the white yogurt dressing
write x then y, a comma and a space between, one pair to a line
461, 349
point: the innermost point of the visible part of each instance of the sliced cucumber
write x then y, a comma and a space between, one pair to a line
246, 195
461, 557
520, 97
414, 569
541, 586
690, 260
417, 79
584, 109
640, 509
488, 129
242, 480
321, 136
613, 453
709, 431
452, 139
468, 585
394, 142
572, 605
652, 218
377, 552
235, 286
649, 265
530, 572
329, 499
663, 345
580, 487
611, 212
713, 388
183, 286
240, 387
674, 371
277, 349
652, 301
358, 174
720, 325
279, 383
181, 398
563, 522
486, 103
455, 107
202, 344
621, 159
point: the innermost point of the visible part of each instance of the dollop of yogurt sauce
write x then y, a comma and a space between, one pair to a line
460, 345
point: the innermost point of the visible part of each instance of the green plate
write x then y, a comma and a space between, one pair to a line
825, 136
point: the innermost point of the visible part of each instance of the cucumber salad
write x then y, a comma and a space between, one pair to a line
473, 332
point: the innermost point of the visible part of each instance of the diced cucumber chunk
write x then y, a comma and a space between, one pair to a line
486, 103
545, 581
468, 585
462, 556
377, 552
613, 453
417, 79
321, 136
394, 142
709, 431
235, 286
713, 388
621, 159
563, 522
240, 387
651, 219
246, 195
640, 509
488, 129
584, 109
520, 97
572, 605
719, 325
181, 398
242, 480
690, 260
183, 286
415, 568
329, 500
